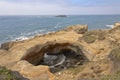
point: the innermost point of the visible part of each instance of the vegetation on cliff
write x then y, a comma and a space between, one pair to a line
111, 77
6, 74
92, 36
115, 54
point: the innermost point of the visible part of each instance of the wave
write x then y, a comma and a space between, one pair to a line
28, 35
25, 35
110, 26
20, 38
32, 33
58, 25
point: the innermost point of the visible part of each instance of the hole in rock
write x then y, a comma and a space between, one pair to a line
58, 56
63, 60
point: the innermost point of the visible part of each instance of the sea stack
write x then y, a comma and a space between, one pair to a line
61, 16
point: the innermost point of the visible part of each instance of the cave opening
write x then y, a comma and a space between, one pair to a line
63, 60
58, 56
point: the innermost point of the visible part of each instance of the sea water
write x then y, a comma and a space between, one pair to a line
25, 27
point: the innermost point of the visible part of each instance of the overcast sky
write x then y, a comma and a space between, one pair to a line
53, 7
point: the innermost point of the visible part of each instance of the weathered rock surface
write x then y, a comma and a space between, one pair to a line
24, 56
96, 69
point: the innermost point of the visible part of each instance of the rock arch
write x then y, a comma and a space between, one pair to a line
36, 54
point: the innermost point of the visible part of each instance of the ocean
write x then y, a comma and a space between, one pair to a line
23, 27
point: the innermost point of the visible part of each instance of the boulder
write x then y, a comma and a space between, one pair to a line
33, 72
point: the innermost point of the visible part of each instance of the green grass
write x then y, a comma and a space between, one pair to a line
6, 74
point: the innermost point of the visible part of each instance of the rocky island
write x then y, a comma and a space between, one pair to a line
70, 54
61, 16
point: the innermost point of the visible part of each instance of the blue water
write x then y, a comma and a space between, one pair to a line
22, 27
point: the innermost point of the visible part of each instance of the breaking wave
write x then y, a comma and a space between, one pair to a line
27, 35
110, 26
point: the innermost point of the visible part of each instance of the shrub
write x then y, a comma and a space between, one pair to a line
89, 39
115, 54
114, 44
6, 74
93, 35
101, 35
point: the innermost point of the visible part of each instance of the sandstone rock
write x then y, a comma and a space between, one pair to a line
115, 28
96, 69
7, 45
117, 24
80, 29
33, 72
13, 54
33, 55
115, 57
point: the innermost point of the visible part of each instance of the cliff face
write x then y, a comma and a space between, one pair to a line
25, 56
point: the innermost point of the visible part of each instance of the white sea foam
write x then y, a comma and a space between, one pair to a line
110, 26
58, 25
27, 35
21, 38
32, 33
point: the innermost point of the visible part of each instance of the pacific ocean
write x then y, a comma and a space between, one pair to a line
24, 27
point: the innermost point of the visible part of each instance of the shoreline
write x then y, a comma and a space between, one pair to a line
22, 38
92, 48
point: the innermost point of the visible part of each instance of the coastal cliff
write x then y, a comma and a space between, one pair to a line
98, 52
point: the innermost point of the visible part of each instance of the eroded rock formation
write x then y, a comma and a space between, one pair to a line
26, 56
35, 54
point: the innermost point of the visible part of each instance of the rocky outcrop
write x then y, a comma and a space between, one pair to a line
7, 45
25, 56
96, 69
80, 29
33, 72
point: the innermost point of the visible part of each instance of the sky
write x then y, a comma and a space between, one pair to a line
56, 7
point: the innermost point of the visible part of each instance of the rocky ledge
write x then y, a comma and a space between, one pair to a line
70, 54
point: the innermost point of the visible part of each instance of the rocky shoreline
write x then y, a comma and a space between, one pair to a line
94, 47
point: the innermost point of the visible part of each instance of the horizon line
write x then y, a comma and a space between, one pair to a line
50, 14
